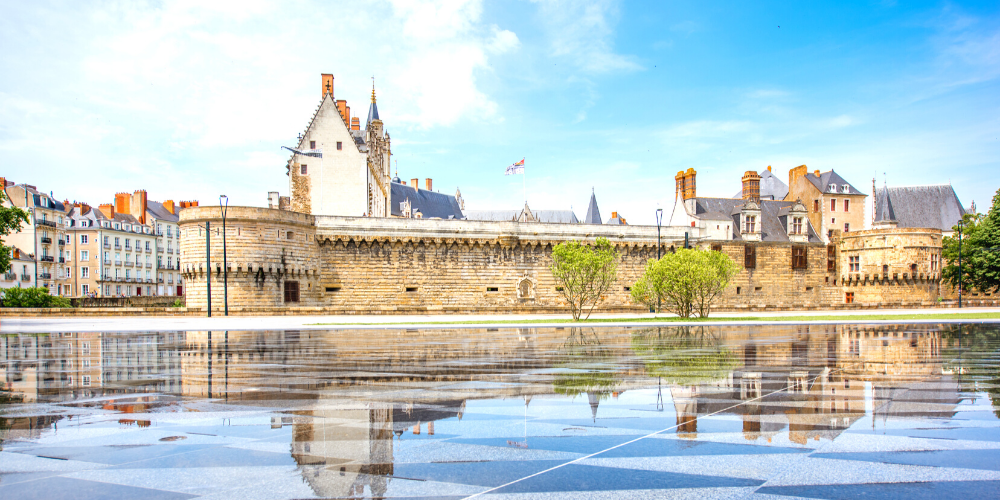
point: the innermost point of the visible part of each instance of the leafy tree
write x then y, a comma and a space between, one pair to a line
584, 273
10, 222
685, 282
684, 355
980, 251
32, 297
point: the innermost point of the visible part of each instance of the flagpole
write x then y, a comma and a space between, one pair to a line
524, 184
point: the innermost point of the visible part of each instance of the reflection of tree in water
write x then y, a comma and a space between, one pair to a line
683, 355
972, 352
594, 368
6, 398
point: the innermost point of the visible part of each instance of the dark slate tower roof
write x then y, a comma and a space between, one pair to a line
883, 207
429, 203
593, 213
372, 110
934, 206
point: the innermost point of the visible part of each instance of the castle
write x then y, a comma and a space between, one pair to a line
349, 239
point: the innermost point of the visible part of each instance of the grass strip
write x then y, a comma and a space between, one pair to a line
673, 319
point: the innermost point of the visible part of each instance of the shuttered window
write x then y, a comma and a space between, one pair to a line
750, 257
798, 257
291, 291
831, 258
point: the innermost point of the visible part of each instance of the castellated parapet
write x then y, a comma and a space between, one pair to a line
897, 266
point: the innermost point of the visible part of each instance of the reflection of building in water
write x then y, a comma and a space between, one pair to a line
340, 452
139, 362
50, 366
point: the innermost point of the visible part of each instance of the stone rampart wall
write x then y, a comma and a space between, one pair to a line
894, 266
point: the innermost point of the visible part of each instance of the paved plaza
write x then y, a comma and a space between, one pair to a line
743, 411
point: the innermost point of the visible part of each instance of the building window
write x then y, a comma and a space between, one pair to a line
831, 258
84, 255
304, 169
797, 225
750, 257
291, 291
849, 298
86, 380
833, 205
854, 264
847, 205
340, 145
85, 289
84, 272
716, 247
312, 144
118, 289
934, 262
83, 239
913, 269
291, 235
847, 227
798, 257
751, 223
885, 270
816, 206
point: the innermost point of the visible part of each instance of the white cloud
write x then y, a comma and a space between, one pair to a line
583, 32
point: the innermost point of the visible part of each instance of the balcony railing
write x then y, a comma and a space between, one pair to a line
61, 242
13, 276
25, 277
47, 258
45, 223
45, 276
149, 264
170, 250
107, 244
128, 263
62, 260
118, 246
159, 280
118, 262
107, 262
159, 249
46, 240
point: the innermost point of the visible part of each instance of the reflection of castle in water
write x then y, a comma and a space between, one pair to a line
352, 392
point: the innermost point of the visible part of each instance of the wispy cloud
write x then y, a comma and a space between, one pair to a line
583, 33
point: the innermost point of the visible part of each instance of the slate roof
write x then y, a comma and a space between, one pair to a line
772, 219
593, 213
771, 187
935, 206
826, 178
429, 203
161, 212
372, 112
553, 216
617, 220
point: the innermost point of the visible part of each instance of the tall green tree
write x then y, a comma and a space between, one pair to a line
686, 282
980, 251
11, 219
584, 273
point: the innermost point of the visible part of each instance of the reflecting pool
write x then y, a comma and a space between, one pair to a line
817, 411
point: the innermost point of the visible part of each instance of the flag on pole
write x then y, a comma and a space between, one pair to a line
517, 168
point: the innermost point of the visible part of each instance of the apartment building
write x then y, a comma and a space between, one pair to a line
22, 270
43, 238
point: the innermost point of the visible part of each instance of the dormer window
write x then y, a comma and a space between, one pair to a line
751, 223
833, 188
797, 225
846, 188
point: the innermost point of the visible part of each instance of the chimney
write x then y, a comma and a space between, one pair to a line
108, 210
679, 191
138, 205
429, 183
415, 183
169, 205
122, 203
347, 116
795, 174
690, 190
768, 168
4, 182
342, 107
816, 173
272, 200
355, 123
327, 84
614, 215
751, 186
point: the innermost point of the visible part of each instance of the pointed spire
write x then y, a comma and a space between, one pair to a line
373, 110
593, 213
884, 213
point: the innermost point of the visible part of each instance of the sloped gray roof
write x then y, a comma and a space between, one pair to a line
429, 203
883, 207
935, 206
160, 212
557, 216
617, 220
551, 216
826, 178
593, 213
372, 112
771, 187
492, 215
772, 224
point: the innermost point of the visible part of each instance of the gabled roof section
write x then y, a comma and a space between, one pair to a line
771, 214
825, 179
593, 213
934, 206
429, 203
771, 187
160, 212
883, 207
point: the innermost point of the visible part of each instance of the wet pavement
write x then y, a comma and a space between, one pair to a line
764, 411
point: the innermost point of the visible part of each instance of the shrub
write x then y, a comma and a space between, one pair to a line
584, 272
32, 297
685, 282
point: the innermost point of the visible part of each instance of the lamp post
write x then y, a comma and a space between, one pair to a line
225, 263
208, 264
960, 262
659, 220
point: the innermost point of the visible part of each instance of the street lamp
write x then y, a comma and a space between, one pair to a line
659, 220
225, 264
960, 221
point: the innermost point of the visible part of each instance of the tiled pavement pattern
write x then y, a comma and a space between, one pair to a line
761, 430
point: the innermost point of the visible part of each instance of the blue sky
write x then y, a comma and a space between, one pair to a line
190, 101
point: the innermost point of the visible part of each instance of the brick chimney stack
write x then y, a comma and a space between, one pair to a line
415, 183
355, 123
327, 84
123, 203
138, 205
751, 186
169, 205
108, 210
429, 183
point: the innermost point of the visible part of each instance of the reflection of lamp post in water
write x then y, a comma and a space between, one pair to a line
225, 264
659, 220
